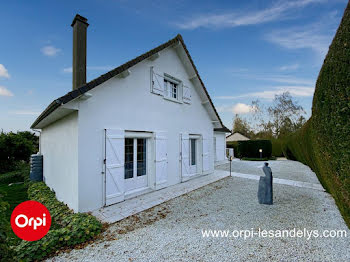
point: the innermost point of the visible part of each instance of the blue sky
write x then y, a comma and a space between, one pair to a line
243, 50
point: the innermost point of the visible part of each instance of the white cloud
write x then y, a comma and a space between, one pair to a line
301, 38
316, 36
90, 68
277, 11
68, 70
5, 92
50, 50
278, 78
239, 108
3, 72
291, 67
286, 79
296, 91
25, 112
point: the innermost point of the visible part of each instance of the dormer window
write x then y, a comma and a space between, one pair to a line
171, 89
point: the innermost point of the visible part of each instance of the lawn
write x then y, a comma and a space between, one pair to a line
15, 194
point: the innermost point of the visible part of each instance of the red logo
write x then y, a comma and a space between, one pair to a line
30, 220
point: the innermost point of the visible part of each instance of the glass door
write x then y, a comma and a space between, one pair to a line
135, 173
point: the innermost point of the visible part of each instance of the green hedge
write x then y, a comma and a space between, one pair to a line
324, 142
67, 228
250, 148
277, 149
259, 159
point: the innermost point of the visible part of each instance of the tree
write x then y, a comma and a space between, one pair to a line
286, 116
16, 147
241, 126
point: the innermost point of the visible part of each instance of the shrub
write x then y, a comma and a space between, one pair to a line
16, 147
250, 148
4, 230
323, 143
67, 228
21, 174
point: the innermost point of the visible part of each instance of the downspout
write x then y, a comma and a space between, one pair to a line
36, 130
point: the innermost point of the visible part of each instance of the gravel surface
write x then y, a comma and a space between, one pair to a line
285, 169
172, 231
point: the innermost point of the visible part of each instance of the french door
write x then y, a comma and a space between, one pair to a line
135, 166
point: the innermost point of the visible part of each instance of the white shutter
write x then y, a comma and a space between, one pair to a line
114, 166
185, 155
186, 97
161, 160
157, 83
206, 154
167, 87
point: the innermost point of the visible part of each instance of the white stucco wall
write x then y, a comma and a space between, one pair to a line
128, 104
59, 146
220, 146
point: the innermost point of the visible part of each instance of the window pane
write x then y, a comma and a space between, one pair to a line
193, 152
174, 91
129, 158
141, 157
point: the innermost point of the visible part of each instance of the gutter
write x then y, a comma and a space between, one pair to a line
52, 107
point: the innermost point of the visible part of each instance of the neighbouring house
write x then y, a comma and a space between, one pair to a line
236, 137
143, 126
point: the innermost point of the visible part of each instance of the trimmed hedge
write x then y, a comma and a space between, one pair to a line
277, 145
67, 228
259, 159
324, 141
250, 148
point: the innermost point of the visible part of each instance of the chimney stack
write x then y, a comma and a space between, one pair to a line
79, 25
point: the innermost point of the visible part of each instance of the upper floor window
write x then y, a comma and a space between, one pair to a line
171, 89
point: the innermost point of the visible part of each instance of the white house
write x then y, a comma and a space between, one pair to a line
145, 125
236, 137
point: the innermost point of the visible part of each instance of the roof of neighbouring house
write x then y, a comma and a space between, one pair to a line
99, 80
236, 137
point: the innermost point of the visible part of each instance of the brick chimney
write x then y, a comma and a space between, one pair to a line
79, 25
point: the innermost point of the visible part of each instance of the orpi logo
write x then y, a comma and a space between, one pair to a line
30, 220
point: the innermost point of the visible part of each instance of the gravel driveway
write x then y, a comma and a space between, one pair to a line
285, 169
172, 231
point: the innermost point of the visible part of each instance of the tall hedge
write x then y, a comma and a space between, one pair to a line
250, 148
324, 142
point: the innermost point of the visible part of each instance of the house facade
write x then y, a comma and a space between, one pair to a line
143, 126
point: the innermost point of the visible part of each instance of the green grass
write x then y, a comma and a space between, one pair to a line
15, 194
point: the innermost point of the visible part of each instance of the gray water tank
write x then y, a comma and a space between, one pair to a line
36, 167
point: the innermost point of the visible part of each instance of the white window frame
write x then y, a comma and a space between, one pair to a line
168, 94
